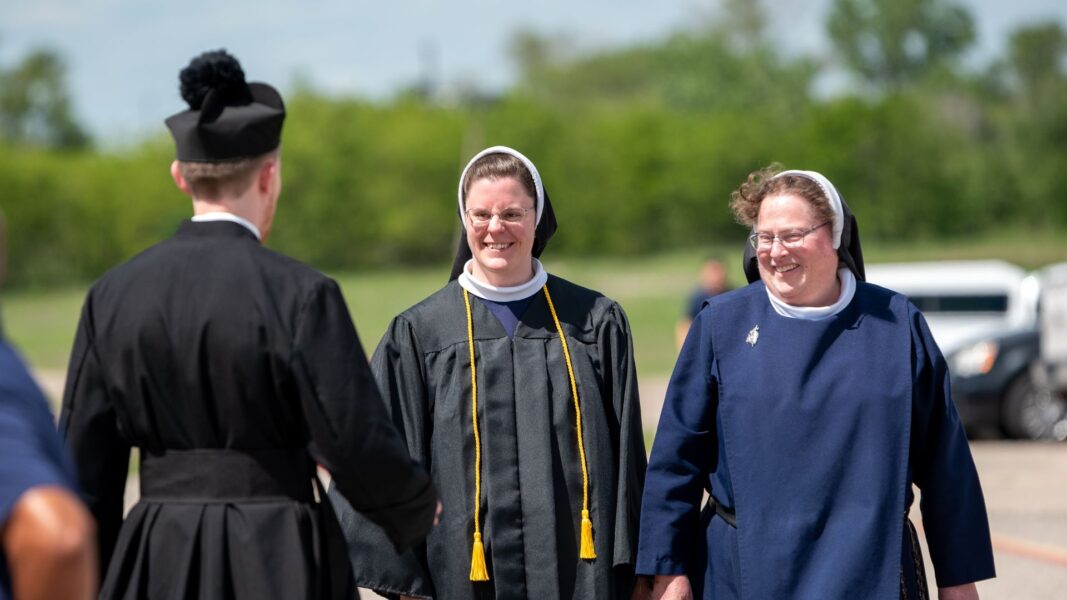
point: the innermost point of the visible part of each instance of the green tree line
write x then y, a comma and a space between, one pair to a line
639, 146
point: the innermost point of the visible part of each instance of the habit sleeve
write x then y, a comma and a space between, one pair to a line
685, 439
399, 370
621, 375
350, 429
953, 509
89, 424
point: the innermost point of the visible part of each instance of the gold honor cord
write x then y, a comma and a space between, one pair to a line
478, 570
586, 551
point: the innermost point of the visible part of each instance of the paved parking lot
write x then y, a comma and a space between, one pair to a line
1025, 487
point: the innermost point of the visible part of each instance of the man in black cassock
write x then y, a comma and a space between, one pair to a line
233, 369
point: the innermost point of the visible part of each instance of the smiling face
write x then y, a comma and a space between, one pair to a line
801, 276
503, 252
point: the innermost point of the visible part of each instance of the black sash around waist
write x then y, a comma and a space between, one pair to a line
207, 476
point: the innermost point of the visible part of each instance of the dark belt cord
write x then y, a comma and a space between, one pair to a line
917, 561
723, 512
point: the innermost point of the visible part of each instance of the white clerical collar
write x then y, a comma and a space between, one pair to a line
818, 313
503, 294
225, 216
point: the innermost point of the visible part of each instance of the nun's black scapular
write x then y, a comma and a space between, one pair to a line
529, 490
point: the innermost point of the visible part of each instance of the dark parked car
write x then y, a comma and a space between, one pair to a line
998, 385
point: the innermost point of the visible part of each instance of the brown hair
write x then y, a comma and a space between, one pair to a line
217, 180
499, 166
746, 199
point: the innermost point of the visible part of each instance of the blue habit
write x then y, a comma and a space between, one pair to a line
811, 433
31, 454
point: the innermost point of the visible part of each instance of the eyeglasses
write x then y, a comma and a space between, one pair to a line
480, 217
789, 239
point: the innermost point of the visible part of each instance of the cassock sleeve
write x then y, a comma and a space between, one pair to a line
685, 439
89, 424
953, 509
351, 433
618, 357
399, 369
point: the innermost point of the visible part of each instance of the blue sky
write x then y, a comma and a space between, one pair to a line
123, 56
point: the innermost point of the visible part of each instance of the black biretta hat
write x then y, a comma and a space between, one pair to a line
228, 118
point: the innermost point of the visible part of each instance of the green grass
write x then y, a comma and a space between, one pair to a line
1028, 249
651, 290
41, 323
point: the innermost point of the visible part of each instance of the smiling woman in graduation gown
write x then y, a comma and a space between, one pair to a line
807, 404
517, 481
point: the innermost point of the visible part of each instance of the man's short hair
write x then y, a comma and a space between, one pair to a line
221, 179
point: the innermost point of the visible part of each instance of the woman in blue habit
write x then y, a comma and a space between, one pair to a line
807, 404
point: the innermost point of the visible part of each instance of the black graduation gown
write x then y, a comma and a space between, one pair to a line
226, 363
531, 473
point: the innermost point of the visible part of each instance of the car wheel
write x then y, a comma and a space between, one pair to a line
1032, 411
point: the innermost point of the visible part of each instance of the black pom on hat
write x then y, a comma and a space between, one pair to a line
228, 118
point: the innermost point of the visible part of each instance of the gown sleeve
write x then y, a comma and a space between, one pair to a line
616, 342
685, 440
953, 509
399, 371
90, 426
351, 433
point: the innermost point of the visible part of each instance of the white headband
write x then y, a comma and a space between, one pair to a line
539, 201
832, 196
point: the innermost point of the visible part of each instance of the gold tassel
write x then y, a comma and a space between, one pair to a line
478, 572
586, 552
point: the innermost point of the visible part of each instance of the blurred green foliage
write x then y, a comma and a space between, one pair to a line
639, 148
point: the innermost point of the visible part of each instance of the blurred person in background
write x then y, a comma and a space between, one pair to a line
233, 369
807, 404
518, 390
712, 283
47, 537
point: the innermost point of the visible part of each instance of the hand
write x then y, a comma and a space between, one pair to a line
671, 587
437, 515
50, 543
967, 591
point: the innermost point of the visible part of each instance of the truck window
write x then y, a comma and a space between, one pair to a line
969, 303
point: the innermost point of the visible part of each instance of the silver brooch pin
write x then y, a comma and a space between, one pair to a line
753, 336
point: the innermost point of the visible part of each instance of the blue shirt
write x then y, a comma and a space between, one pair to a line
31, 453
508, 313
